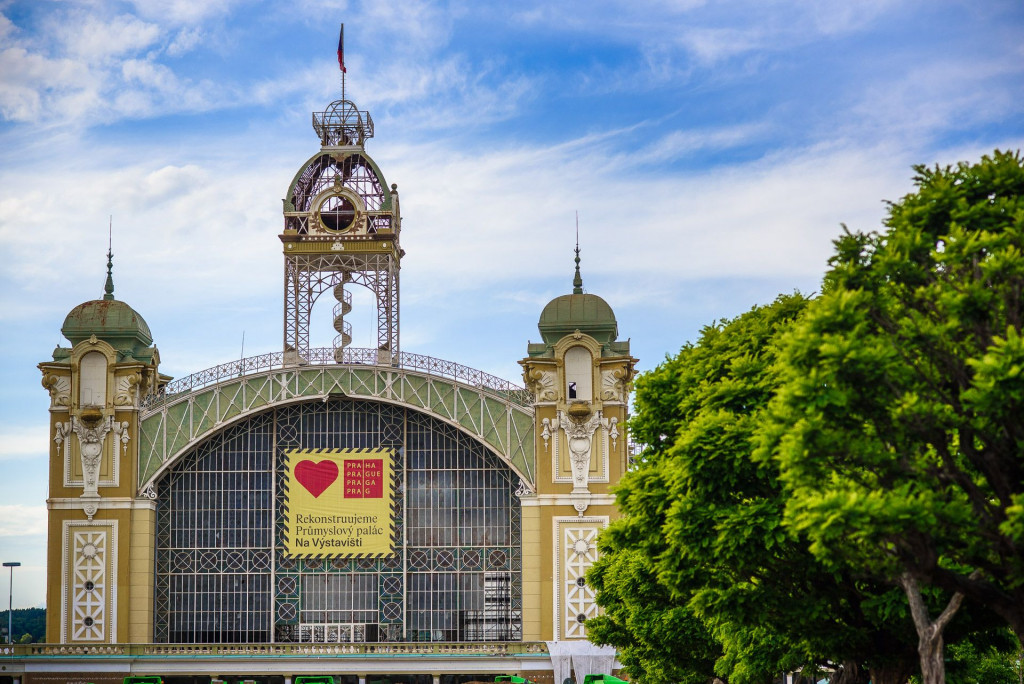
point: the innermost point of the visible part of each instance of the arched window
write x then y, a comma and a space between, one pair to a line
93, 385
579, 374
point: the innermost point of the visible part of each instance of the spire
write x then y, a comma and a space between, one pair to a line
577, 281
108, 289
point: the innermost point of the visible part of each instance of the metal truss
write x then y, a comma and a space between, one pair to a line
341, 225
488, 409
353, 356
307, 276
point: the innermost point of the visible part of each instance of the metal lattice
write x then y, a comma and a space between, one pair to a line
341, 226
222, 575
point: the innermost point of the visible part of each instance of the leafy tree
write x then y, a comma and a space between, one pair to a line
898, 429
701, 548
969, 663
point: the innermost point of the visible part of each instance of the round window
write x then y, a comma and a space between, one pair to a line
337, 213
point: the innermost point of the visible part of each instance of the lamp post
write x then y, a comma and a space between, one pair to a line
10, 599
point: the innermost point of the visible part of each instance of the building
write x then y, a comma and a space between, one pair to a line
373, 514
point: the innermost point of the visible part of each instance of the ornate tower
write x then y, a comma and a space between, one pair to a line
100, 530
341, 227
580, 377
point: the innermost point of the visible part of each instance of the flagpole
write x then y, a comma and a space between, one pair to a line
341, 58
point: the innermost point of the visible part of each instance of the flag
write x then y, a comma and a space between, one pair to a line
341, 50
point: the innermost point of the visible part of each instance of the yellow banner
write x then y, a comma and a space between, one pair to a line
339, 503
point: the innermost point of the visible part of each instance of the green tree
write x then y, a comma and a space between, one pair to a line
701, 547
898, 429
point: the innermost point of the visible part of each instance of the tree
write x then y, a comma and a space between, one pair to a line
898, 428
701, 545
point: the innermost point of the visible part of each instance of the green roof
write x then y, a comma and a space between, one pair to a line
110, 320
587, 313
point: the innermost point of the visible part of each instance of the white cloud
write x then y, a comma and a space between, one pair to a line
183, 11
28, 441
95, 41
19, 520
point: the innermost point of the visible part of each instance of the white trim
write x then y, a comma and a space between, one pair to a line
603, 471
110, 504
558, 555
118, 428
567, 500
111, 570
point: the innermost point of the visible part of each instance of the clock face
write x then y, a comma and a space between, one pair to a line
337, 213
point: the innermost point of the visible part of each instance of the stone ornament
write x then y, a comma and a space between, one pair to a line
59, 387
541, 383
91, 436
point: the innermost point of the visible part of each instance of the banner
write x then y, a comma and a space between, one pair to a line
339, 503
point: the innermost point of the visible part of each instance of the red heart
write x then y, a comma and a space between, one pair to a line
316, 477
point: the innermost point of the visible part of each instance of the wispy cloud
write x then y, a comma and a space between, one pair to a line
21, 521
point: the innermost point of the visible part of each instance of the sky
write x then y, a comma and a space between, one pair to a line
712, 149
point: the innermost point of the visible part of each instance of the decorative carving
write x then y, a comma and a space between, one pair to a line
121, 430
613, 430
150, 492
546, 432
523, 490
579, 553
59, 387
613, 384
541, 383
91, 435
127, 392
61, 432
579, 434
89, 584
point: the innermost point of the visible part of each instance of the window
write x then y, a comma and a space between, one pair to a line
93, 385
579, 374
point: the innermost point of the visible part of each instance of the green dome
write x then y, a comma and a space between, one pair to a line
110, 320
587, 313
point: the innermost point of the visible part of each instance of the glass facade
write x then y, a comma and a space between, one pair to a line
222, 575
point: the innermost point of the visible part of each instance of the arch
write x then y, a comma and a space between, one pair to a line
92, 385
170, 428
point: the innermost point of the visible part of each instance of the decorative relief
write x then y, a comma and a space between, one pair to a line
524, 490
579, 549
150, 492
614, 384
541, 383
60, 438
127, 392
89, 585
59, 387
580, 435
91, 436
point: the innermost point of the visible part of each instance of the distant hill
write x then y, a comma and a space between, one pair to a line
28, 625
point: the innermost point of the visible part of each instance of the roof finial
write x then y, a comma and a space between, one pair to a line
577, 281
108, 289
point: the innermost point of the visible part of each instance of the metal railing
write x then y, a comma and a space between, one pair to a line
464, 648
323, 356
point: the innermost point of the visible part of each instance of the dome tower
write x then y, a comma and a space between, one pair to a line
100, 527
580, 377
341, 227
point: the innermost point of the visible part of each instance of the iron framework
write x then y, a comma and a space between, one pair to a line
341, 227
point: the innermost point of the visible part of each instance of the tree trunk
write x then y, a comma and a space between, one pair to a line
850, 673
892, 674
930, 648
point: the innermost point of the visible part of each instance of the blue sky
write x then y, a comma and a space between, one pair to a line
712, 150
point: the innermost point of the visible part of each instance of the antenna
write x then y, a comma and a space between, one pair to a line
241, 357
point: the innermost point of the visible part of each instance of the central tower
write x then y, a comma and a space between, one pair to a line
341, 227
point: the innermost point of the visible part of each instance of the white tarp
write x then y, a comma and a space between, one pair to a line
582, 657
